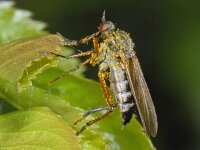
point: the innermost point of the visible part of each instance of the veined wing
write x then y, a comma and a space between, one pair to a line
141, 94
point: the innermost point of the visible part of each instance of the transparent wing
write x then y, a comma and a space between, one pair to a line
141, 94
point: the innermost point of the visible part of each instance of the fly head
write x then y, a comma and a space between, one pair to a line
105, 25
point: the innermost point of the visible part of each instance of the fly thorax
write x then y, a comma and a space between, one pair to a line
97, 58
104, 35
125, 43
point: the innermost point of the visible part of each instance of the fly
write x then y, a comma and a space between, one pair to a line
113, 53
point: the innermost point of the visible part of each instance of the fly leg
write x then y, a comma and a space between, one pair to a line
95, 120
87, 53
91, 112
68, 42
102, 77
110, 106
71, 70
93, 37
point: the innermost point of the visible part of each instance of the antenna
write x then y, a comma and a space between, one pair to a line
104, 16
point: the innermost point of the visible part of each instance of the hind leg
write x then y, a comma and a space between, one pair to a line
110, 106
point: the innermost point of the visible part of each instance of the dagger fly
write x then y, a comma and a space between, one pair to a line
113, 53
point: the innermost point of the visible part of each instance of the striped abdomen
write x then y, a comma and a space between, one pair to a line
124, 98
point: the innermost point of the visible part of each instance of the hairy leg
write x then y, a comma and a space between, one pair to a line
71, 70
110, 106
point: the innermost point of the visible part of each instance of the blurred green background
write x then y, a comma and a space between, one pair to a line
167, 37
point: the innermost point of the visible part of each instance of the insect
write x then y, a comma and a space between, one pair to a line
113, 53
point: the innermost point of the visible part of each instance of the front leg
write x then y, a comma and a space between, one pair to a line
86, 39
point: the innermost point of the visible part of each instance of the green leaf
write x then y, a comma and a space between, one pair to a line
22, 60
38, 97
36, 128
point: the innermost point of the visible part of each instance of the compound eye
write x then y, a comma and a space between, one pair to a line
104, 26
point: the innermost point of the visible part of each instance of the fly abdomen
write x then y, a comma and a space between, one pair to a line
124, 97
122, 93
126, 106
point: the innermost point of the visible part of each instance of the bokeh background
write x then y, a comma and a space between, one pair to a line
167, 37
